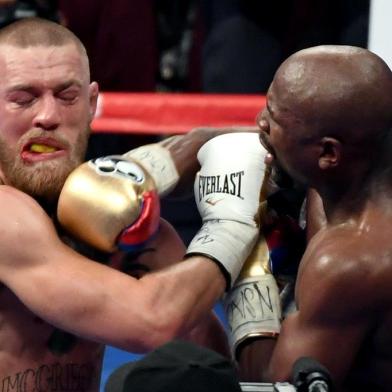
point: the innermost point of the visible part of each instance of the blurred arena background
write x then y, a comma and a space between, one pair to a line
165, 66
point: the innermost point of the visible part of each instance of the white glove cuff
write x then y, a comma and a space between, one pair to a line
253, 309
227, 242
158, 161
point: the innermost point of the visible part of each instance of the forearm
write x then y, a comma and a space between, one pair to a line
166, 304
210, 332
184, 150
101, 304
254, 358
181, 295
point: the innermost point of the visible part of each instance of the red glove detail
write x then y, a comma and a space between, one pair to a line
145, 227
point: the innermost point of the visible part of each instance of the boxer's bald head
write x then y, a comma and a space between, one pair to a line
30, 32
329, 107
339, 90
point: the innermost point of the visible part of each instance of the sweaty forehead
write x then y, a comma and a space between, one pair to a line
297, 76
325, 70
297, 95
19, 64
307, 81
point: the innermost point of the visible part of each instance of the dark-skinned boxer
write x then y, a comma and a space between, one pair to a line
328, 123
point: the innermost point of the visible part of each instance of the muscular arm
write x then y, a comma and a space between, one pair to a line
168, 249
90, 299
334, 311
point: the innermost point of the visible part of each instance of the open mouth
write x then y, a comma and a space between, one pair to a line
43, 146
39, 148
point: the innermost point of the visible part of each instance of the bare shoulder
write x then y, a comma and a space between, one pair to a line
12, 198
19, 209
345, 271
24, 226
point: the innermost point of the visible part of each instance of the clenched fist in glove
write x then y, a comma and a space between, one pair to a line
228, 192
110, 203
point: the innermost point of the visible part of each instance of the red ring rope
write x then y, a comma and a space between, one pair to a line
167, 113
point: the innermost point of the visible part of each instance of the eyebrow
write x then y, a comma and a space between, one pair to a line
60, 87
267, 105
270, 110
67, 84
19, 87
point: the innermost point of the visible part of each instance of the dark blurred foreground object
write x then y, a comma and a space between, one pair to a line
310, 375
176, 366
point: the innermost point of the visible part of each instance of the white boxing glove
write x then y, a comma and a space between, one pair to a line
228, 191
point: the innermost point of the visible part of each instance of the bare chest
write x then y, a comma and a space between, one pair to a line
35, 356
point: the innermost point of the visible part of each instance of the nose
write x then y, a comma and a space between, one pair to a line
47, 116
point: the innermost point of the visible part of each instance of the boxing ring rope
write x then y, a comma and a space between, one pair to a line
168, 113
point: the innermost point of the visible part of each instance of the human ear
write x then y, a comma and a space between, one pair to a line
330, 153
93, 91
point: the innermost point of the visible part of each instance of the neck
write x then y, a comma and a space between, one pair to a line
342, 210
346, 200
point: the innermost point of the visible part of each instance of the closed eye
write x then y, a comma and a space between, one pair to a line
21, 98
68, 96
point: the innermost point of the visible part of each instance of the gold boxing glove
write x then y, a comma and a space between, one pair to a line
253, 306
110, 203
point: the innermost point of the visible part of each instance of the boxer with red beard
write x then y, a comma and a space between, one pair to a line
58, 306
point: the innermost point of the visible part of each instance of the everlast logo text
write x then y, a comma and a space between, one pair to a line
229, 184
